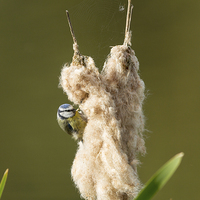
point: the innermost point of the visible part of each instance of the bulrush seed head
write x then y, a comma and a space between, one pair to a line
105, 165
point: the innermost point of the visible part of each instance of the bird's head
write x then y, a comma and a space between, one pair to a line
65, 111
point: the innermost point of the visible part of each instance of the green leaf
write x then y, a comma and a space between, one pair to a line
160, 178
3, 182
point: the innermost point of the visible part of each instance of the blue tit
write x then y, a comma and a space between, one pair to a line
71, 121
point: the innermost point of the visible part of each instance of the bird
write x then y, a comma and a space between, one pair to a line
72, 121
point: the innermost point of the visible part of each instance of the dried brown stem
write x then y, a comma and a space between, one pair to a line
72, 33
128, 24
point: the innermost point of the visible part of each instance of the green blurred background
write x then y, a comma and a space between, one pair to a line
35, 42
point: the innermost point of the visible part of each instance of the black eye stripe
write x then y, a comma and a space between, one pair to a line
65, 114
66, 111
72, 110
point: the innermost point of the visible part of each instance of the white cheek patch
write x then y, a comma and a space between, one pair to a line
67, 114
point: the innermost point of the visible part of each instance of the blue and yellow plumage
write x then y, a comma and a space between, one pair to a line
71, 121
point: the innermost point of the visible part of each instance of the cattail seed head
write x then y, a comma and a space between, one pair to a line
105, 165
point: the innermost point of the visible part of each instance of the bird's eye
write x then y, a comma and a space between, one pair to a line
71, 110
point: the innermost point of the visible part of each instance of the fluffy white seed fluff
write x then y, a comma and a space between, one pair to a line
105, 166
